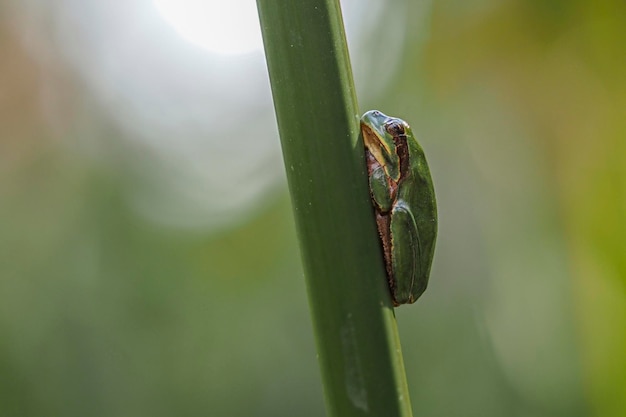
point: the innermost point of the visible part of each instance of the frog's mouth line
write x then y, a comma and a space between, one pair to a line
372, 142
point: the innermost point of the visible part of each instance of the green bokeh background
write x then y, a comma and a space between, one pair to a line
520, 108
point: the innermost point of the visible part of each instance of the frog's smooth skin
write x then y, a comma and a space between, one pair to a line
403, 196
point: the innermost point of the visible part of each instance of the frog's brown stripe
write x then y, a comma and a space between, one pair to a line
402, 149
383, 223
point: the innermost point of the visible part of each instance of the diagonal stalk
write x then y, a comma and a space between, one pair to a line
318, 119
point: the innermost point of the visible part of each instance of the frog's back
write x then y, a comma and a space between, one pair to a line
419, 192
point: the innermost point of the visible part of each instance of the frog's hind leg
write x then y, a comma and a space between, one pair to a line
406, 255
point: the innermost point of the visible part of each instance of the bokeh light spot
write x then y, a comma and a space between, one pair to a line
222, 27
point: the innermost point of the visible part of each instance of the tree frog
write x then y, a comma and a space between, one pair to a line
403, 196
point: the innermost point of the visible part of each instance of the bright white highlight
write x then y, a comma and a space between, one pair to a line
227, 27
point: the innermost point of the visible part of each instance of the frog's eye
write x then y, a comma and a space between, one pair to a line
395, 128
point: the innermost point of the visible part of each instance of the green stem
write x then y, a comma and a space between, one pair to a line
318, 119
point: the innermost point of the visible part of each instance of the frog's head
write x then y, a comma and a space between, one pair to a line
379, 131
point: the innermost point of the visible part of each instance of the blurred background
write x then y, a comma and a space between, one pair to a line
148, 259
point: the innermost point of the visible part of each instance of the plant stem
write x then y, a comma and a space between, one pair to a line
318, 119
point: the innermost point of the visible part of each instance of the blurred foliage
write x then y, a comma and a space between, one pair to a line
519, 105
